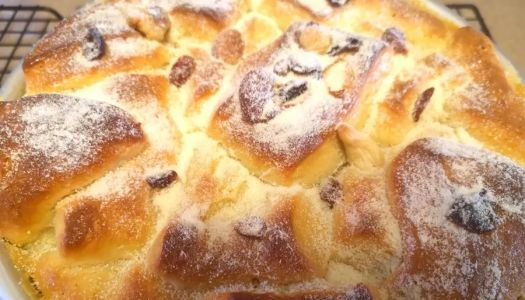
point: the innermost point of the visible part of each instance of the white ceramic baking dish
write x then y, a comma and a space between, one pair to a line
13, 88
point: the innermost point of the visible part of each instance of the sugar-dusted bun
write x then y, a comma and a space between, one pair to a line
458, 205
57, 62
287, 102
52, 145
281, 149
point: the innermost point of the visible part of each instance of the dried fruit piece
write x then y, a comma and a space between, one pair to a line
253, 227
345, 44
229, 46
255, 96
474, 212
421, 103
181, 70
331, 191
162, 180
292, 89
396, 38
304, 63
282, 67
337, 2
312, 38
93, 45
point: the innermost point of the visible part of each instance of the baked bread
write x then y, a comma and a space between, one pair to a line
280, 149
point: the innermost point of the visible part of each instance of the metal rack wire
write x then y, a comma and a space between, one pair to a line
471, 14
20, 28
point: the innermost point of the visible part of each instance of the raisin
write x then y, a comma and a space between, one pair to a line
421, 103
304, 63
396, 38
255, 94
282, 67
228, 46
181, 70
292, 89
331, 191
346, 44
93, 45
473, 212
253, 227
337, 2
162, 180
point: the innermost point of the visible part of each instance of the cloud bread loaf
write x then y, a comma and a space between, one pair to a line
281, 149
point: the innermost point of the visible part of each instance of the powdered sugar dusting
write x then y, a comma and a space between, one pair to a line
108, 19
291, 130
65, 44
429, 182
120, 183
192, 254
118, 48
510, 189
217, 9
475, 98
68, 132
320, 8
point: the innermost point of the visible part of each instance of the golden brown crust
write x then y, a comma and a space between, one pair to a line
145, 97
272, 145
365, 233
309, 193
193, 258
441, 257
102, 227
140, 90
40, 172
491, 109
42, 77
57, 63
201, 20
69, 32
143, 284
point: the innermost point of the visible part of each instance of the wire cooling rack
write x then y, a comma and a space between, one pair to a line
471, 14
22, 26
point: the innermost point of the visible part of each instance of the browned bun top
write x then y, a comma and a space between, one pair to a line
285, 105
51, 145
281, 149
456, 206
